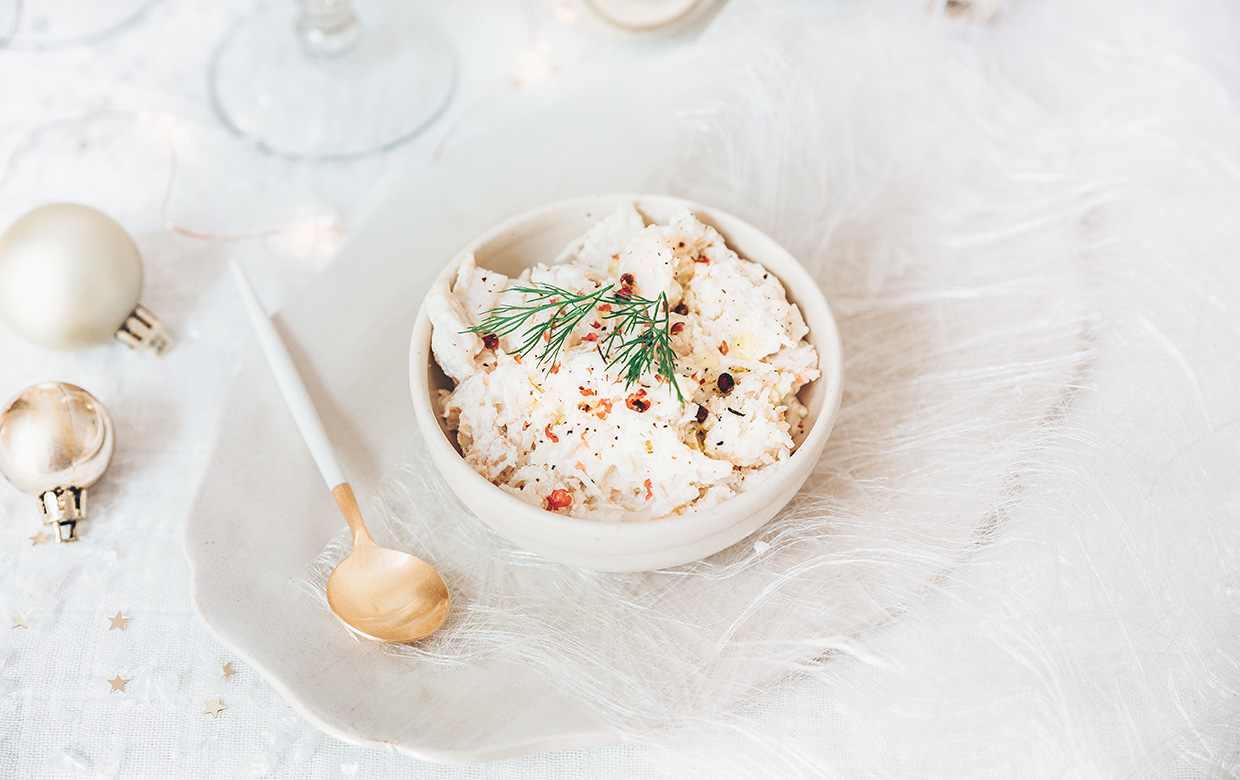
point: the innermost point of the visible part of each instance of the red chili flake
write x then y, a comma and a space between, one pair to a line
681, 308
586, 391
725, 383
677, 327
627, 280
649, 491
723, 347
584, 406
701, 413
581, 466
490, 341
604, 408
559, 499
550, 435
604, 307
526, 427
547, 335
637, 401
702, 259
517, 359
590, 337
596, 324
555, 369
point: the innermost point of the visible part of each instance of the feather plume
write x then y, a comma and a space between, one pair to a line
1017, 556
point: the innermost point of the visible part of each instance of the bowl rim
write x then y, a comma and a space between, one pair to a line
530, 522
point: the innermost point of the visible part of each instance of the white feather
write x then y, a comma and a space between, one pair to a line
1018, 555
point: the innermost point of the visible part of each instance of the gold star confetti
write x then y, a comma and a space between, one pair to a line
118, 683
227, 670
19, 621
42, 537
118, 622
214, 708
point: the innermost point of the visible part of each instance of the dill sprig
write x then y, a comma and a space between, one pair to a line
639, 340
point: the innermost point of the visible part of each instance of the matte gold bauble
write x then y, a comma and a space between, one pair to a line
70, 277
56, 441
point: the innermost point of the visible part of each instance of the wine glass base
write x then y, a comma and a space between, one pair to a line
642, 14
51, 24
383, 91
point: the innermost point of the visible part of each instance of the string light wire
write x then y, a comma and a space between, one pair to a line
320, 227
531, 63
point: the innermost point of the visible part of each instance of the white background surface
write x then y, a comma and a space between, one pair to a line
1096, 639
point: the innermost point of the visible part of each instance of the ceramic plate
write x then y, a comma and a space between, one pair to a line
262, 514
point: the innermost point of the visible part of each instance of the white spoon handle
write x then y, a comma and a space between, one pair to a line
289, 381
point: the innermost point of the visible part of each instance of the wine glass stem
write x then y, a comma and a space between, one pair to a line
327, 28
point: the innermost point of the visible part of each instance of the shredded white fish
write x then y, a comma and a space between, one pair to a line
572, 437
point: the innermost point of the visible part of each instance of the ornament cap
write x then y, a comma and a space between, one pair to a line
63, 508
143, 331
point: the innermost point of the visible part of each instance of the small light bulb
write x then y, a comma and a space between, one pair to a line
533, 64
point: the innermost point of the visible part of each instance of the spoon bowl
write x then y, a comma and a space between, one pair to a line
383, 594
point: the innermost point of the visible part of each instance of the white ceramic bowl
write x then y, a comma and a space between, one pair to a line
539, 236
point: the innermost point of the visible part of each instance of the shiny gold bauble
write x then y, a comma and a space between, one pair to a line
55, 441
70, 278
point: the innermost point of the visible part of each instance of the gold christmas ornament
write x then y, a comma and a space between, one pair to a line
56, 441
70, 278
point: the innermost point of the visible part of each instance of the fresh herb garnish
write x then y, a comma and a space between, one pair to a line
638, 341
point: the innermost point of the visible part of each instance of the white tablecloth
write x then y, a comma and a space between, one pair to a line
100, 124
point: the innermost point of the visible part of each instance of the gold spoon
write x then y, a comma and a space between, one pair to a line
380, 594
